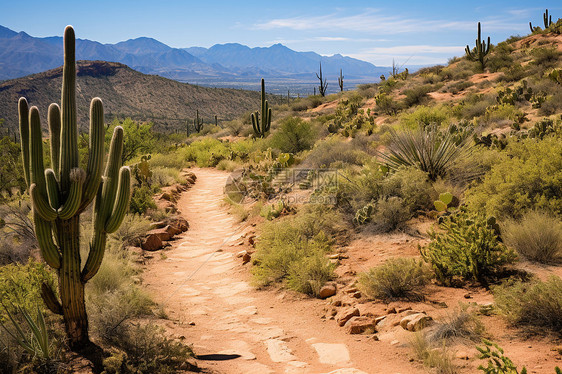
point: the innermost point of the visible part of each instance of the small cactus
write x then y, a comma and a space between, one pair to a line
198, 123
442, 204
323, 87
340, 80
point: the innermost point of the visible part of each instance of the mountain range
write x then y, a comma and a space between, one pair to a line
22, 54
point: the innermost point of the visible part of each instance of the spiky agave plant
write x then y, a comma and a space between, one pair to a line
426, 149
60, 194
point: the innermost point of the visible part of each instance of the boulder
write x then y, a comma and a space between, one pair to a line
415, 322
358, 325
345, 315
246, 257
151, 243
172, 230
162, 233
327, 291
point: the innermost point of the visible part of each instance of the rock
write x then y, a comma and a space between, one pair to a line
151, 243
356, 295
180, 223
168, 197
162, 233
327, 291
172, 230
332, 354
252, 240
379, 319
467, 296
279, 351
158, 225
391, 311
246, 258
358, 325
415, 322
462, 355
346, 315
402, 310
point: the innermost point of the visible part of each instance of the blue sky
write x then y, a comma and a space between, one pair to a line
420, 32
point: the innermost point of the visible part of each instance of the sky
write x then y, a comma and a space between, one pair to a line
409, 32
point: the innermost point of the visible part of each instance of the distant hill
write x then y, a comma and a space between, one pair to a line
22, 54
126, 93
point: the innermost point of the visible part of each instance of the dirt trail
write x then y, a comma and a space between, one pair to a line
235, 329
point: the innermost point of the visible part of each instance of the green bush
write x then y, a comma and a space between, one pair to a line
172, 160
466, 248
462, 324
20, 285
416, 95
412, 186
399, 278
293, 249
534, 304
207, 152
425, 116
526, 176
390, 214
293, 136
333, 150
142, 200
537, 236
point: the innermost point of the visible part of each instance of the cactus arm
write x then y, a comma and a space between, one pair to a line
53, 119
110, 178
95, 257
95, 161
43, 233
531, 27
23, 110
72, 203
69, 132
122, 200
50, 299
268, 120
52, 188
41, 205
254, 124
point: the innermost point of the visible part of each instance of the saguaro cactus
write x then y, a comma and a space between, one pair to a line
482, 49
323, 84
547, 21
262, 128
198, 123
60, 194
340, 80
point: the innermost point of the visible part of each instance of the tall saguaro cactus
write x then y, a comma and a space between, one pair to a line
261, 128
546, 19
60, 194
340, 80
482, 49
198, 123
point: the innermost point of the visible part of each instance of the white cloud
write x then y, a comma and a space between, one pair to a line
416, 49
374, 21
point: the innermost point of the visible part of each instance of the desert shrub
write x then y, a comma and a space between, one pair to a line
172, 160
496, 114
164, 176
207, 152
462, 324
552, 105
293, 249
227, 165
457, 87
475, 105
390, 214
500, 58
426, 149
533, 304
440, 359
17, 232
513, 73
309, 102
416, 95
399, 278
412, 186
146, 349
332, 150
537, 236
129, 233
20, 285
527, 175
498, 362
141, 200
467, 248
386, 104
545, 57
293, 136
425, 116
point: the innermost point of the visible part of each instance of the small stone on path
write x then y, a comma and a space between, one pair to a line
333, 354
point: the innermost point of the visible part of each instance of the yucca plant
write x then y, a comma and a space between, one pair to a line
427, 149
36, 343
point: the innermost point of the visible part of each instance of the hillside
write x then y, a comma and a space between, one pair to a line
126, 93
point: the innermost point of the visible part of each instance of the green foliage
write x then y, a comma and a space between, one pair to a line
294, 250
386, 104
36, 343
142, 200
527, 175
207, 152
537, 236
498, 363
534, 305
543, 128
443, 202
293, 136
426, 149
364, 215
391, 213
425, 116
467, 248
140, 138
462, 324
146, 349
20, 286
416, 95
11, 178
399, 278
438, 358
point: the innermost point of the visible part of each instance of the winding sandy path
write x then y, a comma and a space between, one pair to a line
235, 329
